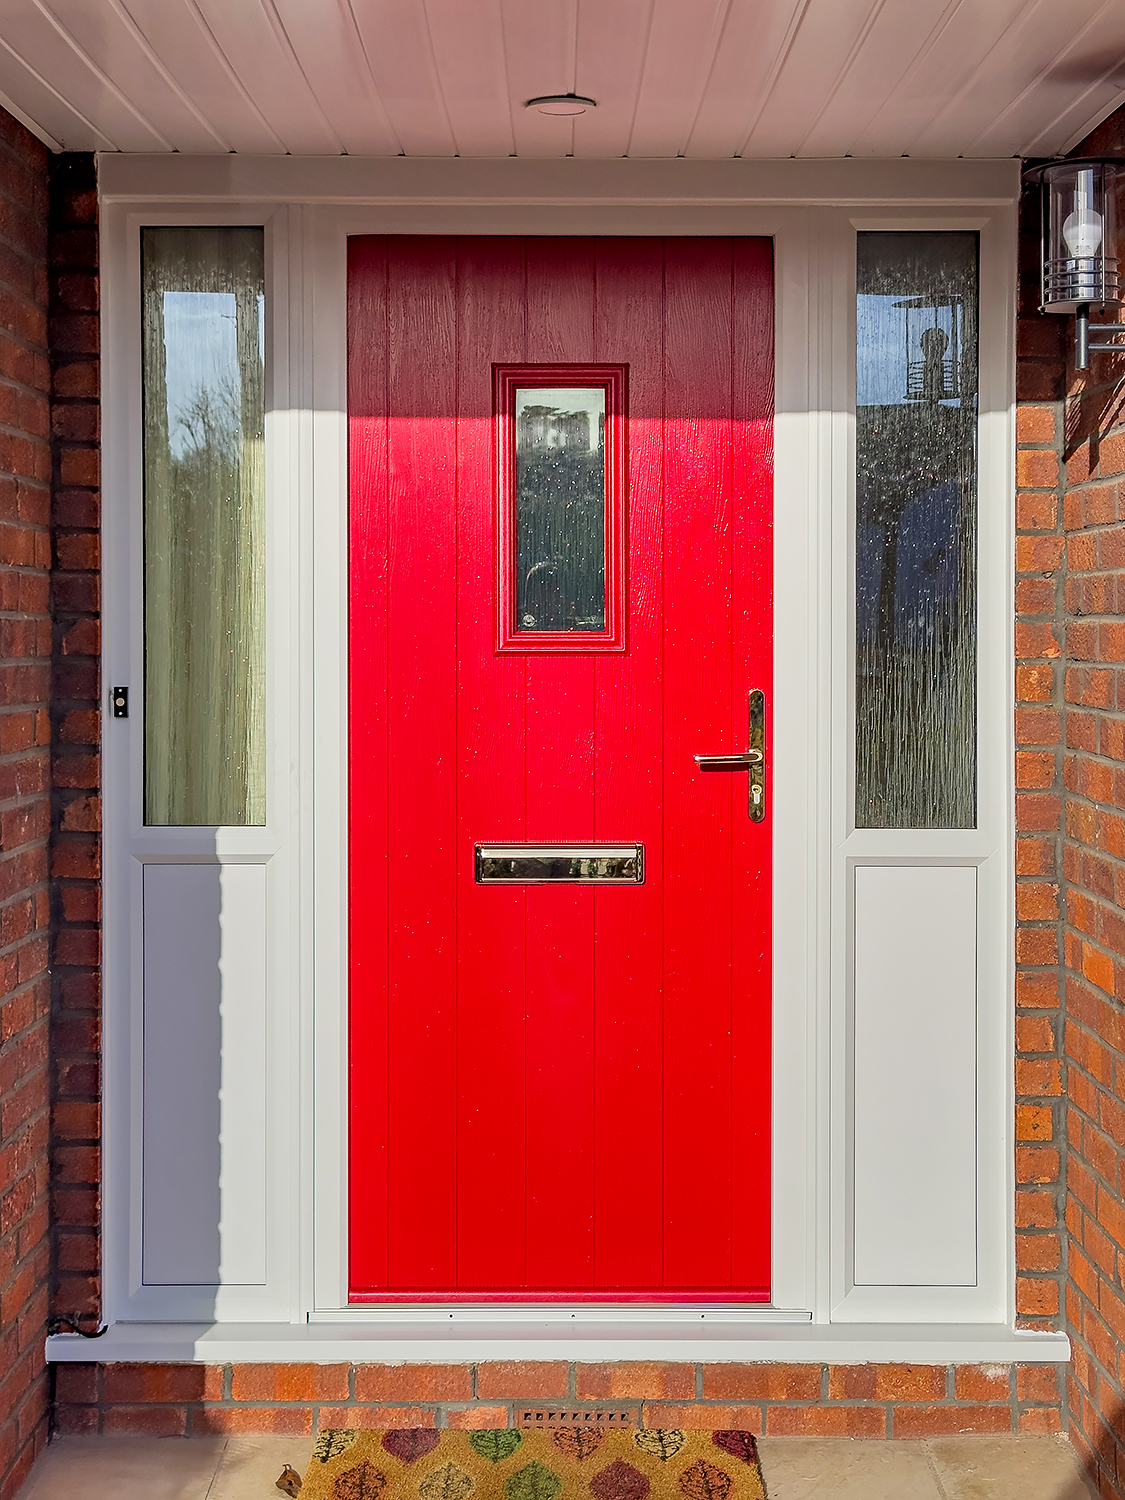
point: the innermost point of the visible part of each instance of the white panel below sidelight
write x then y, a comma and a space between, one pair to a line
204, 1139
914, 1080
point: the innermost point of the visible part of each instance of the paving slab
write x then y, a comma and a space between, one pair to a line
126, 1468
249, 1466
246, 1468
801, 1468
1008, 1468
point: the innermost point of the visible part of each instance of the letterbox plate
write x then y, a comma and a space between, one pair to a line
555, 864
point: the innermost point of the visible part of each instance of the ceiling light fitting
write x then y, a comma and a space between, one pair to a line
561, 104
1078, 264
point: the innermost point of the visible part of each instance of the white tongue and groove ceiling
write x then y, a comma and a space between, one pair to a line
695, 78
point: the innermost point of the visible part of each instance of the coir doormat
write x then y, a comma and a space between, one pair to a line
566, 1463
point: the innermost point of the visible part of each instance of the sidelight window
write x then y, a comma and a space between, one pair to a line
203, 296
916, 530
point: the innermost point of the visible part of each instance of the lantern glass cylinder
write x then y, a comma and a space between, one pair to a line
1080, 266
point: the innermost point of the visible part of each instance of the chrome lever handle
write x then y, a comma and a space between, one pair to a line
741, 762
752, 760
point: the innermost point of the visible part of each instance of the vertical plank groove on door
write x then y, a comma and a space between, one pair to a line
752, 560
560, 808
491, 689
422, 763
368, 835
698, 689
661, 744
628, 1185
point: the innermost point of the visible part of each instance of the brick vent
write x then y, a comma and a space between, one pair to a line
868, 1401
575, 1416
25, 676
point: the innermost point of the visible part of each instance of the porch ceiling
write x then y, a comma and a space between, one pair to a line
696, 78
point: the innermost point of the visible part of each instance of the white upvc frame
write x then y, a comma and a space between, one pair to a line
794, 1173
128, 845
812, 210
989, 846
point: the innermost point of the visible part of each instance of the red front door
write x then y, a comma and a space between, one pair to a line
558, 1089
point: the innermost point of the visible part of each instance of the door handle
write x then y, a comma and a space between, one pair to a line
752, 759
729, 762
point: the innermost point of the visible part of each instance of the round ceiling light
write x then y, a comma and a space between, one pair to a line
561, 104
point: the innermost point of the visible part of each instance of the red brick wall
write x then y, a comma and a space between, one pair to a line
1039, 633
25, 675
1094, 923
867, 1401
76, 731
1093, 442
1071, 729
48, 822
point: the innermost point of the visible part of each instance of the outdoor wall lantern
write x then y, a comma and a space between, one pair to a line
1078, 246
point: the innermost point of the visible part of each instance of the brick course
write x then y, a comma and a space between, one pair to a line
25, 680
872, 1401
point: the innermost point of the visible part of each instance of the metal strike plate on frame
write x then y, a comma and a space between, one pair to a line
559, 864
752, 759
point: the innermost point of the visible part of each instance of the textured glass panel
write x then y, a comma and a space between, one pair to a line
916, 506
204, 552
560, 508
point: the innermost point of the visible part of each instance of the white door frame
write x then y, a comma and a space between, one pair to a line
812, 209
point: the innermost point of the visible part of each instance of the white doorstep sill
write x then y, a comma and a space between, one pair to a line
469, 1342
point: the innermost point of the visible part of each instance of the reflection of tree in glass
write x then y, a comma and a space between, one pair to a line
212, 581
204, 541
211, 424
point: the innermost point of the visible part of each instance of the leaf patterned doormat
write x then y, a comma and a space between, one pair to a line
567, 1463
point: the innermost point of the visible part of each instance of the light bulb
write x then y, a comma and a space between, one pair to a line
1082, 231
